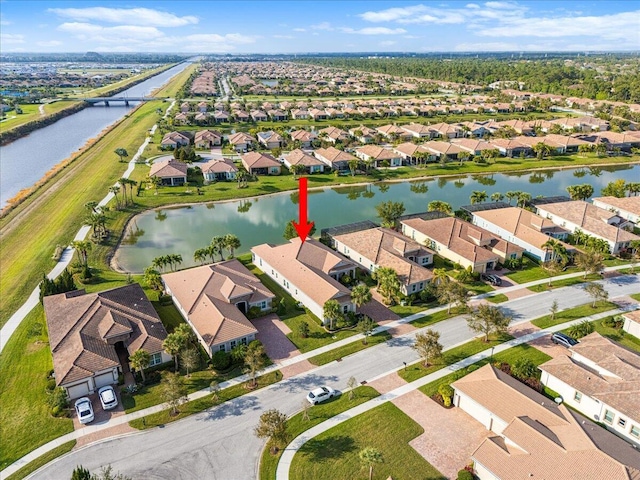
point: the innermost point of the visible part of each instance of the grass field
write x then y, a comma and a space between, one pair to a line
317, 414
349, 349
573, 314
334, 454
42, 460
29, 112
435, 318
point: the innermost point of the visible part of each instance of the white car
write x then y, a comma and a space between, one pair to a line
108, 397
84, 409
320, 395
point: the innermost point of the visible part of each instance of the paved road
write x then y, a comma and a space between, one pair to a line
219, 444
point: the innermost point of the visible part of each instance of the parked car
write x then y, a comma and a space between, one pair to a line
492, 279
564, 340
320, 395
84, 409
108, 397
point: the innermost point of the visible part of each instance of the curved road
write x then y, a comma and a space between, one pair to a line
219, 443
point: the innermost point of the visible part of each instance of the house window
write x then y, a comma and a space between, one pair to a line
413, 287
223, 348
243, 341
622, 422
577, 397
233, 344
345, 308
424, 260
263, 305
513, 256
608, 417
635, 431
155, 359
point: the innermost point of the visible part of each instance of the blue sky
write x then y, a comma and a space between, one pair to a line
323, 26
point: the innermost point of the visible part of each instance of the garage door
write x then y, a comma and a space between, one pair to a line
78, 391
104, 379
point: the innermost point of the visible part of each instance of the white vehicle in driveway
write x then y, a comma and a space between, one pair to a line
320, 395
108, 397
84, 409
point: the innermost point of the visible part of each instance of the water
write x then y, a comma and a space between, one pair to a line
25, 161
184, 229
269, 83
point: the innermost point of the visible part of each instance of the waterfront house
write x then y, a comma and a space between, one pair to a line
334, 158
257, 163
218, 169
170, 171
310, 163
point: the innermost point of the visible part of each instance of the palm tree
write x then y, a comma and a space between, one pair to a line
388, 283
231, 243
497, 197
478, 196
174, 260
523, 197
369, 457
360, 294
121, 152
511, 195
440, 206
331, 310
173, 344
92, 207
200, 255
115, 189
153, 279
124, 182
440, 276
82, 247
140, 360
217, 244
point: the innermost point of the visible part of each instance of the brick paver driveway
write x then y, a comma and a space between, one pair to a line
272, 333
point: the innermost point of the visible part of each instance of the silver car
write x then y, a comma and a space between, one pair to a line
108, 397
84, 409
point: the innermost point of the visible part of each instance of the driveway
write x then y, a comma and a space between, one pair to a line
272, 332
101, 416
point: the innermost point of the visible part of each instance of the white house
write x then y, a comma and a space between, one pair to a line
632, 323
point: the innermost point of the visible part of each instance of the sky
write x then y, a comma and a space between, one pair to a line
302, 26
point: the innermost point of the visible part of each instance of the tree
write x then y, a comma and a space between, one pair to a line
121, 152
366, 327
580, 192
497, 197
523, 198
352, 384
140, 360
360, 294
542, 150
291, 232
231, 243
478, 196
214, 388
303, 329
173, 391
488, 319
389, 212
524, 368
254, 360
331, 310
511, 195
115, 190
106, 473
273, 425
554, 309
428, 346
369, 456
616, 189
82, 247
440, 206
558, 250
388, 284
152, 279
190, 359
440, 275
172, 345
200, 255
451, 292
597, 292
297, 169
590, 262
217, 246
353, 166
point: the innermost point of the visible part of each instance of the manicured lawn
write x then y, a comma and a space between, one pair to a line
508, 356
499, 298
169, 315
573, 314
626, 339
317, 414
350, 348
435, 318
635, 296
530, 272
203, 403
408, 310
30, 112
42, 460
334, 454
449, 357
567, 282
24, 416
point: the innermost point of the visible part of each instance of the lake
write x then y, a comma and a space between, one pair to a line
183, 229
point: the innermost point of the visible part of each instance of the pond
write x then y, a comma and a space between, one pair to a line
268, 83
184, 229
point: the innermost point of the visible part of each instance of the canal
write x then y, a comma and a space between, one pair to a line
183, 229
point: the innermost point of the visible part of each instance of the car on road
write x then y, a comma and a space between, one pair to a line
492, 279
108, 397
320, 394
84, 409
564, 340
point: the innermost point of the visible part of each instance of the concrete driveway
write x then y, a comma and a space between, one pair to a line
272, 332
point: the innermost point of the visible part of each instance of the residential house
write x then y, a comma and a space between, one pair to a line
257, 163
92, 335
206, 139
521, 127
185, 107
241, 141
218, 170
241, 116
309, 272
333, 134
215, 301
418, 130
523, 228
277, 115
220, 116
305, 138
413, 154
381, 247
473, 146
318, 114
600, 379
363, 134
461, 242
510, 147
298, 157
170, 171
443, 149
625, 141
299, 114
202, 107
181, 119
627, 208
336, 159
632, 323
594, 221
270, 139
393, 132
174, 140
258, 116
532, 437
447, 130
375, 156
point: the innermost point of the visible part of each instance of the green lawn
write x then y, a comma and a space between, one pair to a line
30, 111
449, 357
195, 406
508, 356
350, 348
334, 454
31, 467
317, 414
635, 296
24, 416
530, 272
573, 314
435, 318
499, 298
567, 282
408, 310
618, 336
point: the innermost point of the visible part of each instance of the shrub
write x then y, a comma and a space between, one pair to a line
165, 300
51, 384
282, 307
58, 400
465, 475
446, 391
303, 329
221, 360
254, 312
613, 322
581, 329
524, 368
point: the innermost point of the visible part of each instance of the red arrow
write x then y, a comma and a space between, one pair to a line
303, 228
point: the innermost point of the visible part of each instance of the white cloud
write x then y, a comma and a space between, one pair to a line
472, 5
322, 26
392, 14
3, 21
11, 38
50, 43
213, 38
375, 31
130, 16
299, 29
121, 34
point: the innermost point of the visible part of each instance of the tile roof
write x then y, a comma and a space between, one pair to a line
629, 204
217, 166
445, 148
259, 160
81, 325
332, 154
298, 157
168, 168
375, 152
241, 137
208, 294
